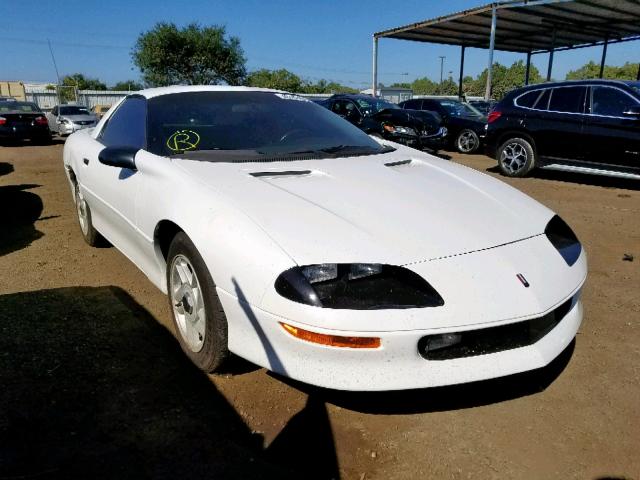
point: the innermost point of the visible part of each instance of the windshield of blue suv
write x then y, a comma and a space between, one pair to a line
459, 109
635, 86
233, 126
370, 106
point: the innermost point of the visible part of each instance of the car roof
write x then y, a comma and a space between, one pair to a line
157, 92
354, 96
567, 83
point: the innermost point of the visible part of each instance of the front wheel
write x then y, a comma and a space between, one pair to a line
198, 317
89, 233
516, 157
467, 141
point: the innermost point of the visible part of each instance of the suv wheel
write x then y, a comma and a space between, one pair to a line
516, 157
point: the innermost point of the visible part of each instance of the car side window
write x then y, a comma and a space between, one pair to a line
610, 102
528, 99
567, 99
412, 105
127, 126
543, 100
339, 107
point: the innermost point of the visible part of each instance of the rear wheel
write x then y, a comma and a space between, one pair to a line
467, 141
198, 317
516, 157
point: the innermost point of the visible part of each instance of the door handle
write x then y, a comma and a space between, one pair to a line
85, 161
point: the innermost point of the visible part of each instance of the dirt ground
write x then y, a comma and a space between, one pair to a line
93, 385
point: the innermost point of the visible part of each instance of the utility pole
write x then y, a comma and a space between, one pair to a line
441, 67
56, 69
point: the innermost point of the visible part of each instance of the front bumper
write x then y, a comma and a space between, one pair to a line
69, 128
397, 365
435, 141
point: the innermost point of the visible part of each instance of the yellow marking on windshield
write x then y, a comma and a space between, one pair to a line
183, 140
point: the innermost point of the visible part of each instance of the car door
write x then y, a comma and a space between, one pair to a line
112, 192
614, 137
556, 123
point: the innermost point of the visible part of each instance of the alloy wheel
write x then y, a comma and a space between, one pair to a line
513, 157
187, 302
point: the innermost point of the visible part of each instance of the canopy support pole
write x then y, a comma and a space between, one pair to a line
553, 47
375, 66
638, 74
461, 71
492, 45
604, 56
527, 72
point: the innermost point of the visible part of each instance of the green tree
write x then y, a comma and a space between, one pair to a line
323, 86
504, 79
278, 79
193, 55
71, 83
628, 71
127, 85
81, 82
424, 86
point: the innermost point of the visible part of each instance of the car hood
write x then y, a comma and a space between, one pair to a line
395, 208
79, 118
409, 118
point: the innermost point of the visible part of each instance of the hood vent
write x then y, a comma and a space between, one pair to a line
399, 163
284, 173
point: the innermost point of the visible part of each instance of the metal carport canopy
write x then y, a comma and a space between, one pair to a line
531, 27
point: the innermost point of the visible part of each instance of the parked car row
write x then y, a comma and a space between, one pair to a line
384, 119
25, 120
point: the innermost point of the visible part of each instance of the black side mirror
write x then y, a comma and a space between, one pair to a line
633, 111
122, 157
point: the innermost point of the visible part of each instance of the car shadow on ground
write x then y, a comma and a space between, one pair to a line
580, 178
5, 168
19, 210
448, 398
94, 387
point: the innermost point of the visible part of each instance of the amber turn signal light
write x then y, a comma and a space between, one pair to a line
332, 340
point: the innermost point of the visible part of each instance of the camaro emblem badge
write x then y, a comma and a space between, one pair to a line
523, 280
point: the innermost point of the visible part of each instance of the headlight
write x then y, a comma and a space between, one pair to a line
563, 239
63, 120
357, 286
402, 130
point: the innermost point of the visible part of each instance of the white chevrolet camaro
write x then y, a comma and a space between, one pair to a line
284, 234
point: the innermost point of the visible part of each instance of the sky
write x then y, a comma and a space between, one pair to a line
324, 39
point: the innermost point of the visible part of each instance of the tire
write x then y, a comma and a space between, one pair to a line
467, 141
198, 317
516, 157
89, 233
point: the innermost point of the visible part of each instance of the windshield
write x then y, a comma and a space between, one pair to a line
74, 111
635, 86
250, 125
369, 106
19, 107
459, 109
